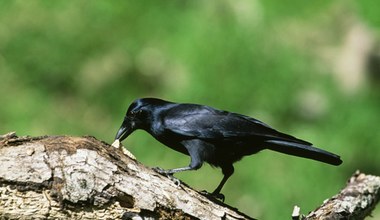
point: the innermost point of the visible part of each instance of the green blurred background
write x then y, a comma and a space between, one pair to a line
310, 69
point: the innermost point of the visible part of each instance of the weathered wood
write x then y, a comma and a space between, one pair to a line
63, 177
356, 201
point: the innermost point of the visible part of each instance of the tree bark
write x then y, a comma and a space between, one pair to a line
63, 177
355, 201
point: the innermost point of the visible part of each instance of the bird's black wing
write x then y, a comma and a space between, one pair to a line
209, 123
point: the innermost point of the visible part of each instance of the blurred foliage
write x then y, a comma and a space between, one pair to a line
73, 67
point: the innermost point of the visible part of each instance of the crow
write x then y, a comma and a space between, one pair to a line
217, 137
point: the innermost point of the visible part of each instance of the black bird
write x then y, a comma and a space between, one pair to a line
217, 137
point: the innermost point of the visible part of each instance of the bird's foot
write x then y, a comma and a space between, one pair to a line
160, 170
176, 181
168, 174
218, 196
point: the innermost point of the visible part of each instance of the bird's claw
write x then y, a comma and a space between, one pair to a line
176, 181
169, 175
218, 196
159, 170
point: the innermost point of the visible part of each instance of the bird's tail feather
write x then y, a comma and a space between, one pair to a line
302, 150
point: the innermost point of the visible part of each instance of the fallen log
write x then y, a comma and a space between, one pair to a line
63, 177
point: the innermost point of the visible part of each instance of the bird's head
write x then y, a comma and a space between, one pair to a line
139, 116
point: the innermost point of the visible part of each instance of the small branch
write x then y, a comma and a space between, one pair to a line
355, 201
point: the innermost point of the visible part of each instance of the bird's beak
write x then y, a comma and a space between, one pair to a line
125, 130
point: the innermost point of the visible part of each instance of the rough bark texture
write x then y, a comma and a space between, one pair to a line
355, 201
62, 177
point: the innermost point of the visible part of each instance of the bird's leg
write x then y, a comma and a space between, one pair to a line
169, 173
221, 184
227, 170
172, 171
195, 164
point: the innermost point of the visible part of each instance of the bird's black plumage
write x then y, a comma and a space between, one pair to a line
217, 137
